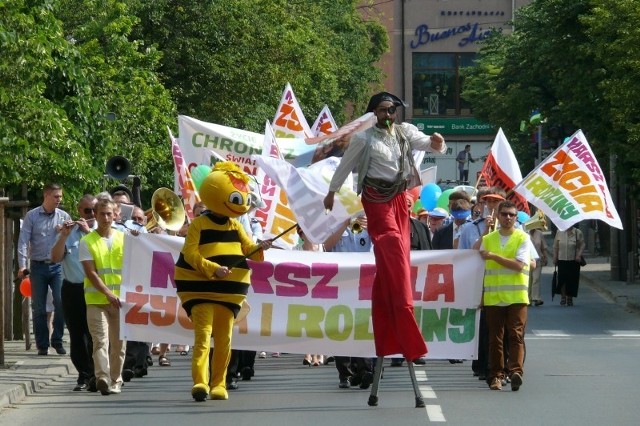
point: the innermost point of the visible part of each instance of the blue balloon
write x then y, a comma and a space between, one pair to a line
523, 217
429, 196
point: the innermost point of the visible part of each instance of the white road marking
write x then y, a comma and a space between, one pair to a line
421, 375
434, 412
624, 333
550, 333
427, 392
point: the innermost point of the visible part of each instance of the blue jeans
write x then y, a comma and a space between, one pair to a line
43, 277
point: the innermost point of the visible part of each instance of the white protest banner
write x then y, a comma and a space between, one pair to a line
276, 216
429, 175
186, 187
569, 186
306, 189
308, 302
289, 121
324, 124
200, 141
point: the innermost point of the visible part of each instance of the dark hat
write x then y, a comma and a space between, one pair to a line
378, 98
122, 188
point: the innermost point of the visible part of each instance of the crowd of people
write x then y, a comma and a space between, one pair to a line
79, 262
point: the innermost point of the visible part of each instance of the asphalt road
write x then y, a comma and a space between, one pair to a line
580, 369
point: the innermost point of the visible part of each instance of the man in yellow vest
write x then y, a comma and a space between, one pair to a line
101, 252
507, 255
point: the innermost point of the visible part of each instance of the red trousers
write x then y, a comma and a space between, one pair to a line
394, 325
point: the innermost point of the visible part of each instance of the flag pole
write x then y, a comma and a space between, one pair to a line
236, 263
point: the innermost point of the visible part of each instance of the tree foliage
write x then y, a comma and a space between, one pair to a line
83, 80
66, 66
228, 62
39, 140
576, 61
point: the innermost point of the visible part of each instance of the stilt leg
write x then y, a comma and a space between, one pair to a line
414, 382
377, 373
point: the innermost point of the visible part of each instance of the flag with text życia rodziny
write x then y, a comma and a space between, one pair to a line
569, 186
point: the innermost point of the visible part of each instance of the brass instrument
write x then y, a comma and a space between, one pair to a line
355, 226
536, 222
167, 211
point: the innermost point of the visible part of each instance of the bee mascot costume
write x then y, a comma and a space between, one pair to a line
212, 274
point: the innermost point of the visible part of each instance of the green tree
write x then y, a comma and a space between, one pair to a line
65, 68
228, 62
548, 63
613, 32
129, 108
40, 142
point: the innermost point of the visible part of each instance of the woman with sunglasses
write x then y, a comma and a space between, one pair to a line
383, 157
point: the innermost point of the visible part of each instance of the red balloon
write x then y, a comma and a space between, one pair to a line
25, 287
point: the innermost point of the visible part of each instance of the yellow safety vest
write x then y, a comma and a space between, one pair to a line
504, 286
108, 264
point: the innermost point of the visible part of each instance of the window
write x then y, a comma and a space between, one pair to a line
437, 84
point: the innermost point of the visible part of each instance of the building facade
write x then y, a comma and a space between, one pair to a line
430, 41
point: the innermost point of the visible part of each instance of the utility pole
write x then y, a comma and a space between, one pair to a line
616, 269
3, 276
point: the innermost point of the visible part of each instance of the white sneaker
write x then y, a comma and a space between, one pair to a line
116, 388
262, 355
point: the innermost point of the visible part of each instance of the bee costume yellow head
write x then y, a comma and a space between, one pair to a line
216, 241
225, 191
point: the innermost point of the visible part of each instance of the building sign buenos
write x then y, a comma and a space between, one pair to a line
472, 32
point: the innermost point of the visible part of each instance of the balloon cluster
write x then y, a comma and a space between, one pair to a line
431, 196
198, 174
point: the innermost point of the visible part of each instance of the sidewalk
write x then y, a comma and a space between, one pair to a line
25, 373
597, 275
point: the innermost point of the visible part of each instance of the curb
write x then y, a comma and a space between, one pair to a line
30, 382
619, 299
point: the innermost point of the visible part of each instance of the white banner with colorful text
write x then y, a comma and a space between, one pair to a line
199, 141
308, 302
569, 186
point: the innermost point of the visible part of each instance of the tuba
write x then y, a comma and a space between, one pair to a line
167, 211
536, 222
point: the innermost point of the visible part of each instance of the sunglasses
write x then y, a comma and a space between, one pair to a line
89, 210
390, 110
507, 214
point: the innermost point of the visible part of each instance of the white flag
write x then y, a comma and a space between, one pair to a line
306, 189
569, 186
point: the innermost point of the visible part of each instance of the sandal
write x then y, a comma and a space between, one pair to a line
163, 361
563, 301
570, 301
